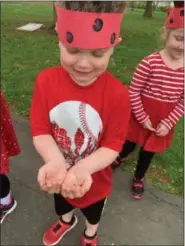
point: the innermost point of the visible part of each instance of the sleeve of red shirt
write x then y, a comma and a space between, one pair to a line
176, 114
117, 125
138, 82
39, 112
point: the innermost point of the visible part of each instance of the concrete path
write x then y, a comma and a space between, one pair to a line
156, 220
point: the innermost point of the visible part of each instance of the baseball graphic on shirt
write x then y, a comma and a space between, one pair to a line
76, 128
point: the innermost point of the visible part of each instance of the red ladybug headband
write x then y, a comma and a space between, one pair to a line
88, 30
175, 18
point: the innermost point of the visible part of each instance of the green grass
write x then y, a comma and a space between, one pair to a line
23, 55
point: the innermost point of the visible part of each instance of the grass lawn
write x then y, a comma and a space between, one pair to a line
25, 54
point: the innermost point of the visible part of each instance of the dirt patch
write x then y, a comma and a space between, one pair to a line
159, 175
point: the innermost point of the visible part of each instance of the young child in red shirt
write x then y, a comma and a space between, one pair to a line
9, 147
157, 99
80, 115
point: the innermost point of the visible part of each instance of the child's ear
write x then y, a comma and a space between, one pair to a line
59, 44
119, 40
56, 27
164, 34
112, 51
125, 9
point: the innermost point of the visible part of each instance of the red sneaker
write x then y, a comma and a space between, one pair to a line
87, 241
117, 163
57, 231
137, 188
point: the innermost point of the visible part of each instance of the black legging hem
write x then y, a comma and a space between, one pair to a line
4, 186
144, 160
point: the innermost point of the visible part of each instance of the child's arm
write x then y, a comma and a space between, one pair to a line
138, 82
98, 160
52, 174
175, 115
54, 169
47, 148
40, 123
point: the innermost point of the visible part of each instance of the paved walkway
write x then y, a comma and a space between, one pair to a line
156, 220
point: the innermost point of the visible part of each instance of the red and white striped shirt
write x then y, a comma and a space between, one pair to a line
154, 79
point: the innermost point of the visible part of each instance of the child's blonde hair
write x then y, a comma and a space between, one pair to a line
94, 6
166, 33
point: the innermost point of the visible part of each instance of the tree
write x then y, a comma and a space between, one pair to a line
54, 16
132, 5
155, 4
148, 9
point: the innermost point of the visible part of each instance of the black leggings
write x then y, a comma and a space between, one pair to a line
92, 213
4, 186
144, 160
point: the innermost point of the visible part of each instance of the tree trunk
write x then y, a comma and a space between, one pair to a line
132, 5
148, 9
155, 4
54, 16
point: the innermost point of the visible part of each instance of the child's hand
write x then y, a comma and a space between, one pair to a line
148, 125
162, 130
78, 181
51, 176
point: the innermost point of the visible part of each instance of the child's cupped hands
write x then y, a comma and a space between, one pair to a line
51, 176
77, 182
54, 177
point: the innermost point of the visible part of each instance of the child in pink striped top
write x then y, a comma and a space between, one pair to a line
157, 99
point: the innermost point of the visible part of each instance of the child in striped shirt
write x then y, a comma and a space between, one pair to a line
157, 99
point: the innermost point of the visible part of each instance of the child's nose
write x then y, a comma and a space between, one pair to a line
83, 62
181, 46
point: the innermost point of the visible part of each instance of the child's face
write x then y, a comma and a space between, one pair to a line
84, 66
175, 43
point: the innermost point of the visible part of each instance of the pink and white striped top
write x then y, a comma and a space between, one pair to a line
154, 79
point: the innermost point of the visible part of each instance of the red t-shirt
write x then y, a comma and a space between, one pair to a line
81, 119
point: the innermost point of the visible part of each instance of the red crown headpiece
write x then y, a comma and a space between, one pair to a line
175, 18
88, 30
